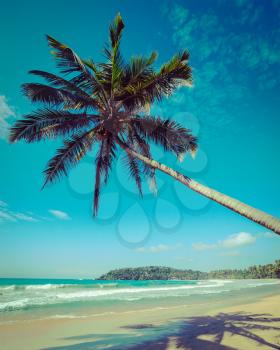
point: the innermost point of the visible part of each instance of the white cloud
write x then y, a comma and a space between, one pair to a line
237, 240
233, 241
160, 248
6, 112
59, 214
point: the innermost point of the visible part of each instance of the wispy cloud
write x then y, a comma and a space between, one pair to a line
233, 241
160, 248
60, 214
9, 215
6, 214
6, 112
214, 45
24, 217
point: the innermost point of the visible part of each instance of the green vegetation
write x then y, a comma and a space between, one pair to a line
168, 273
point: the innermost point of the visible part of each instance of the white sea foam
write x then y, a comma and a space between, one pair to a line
215, 291
221, 281
85, 294
14, 305
39, 295
22, 297
35, 287
46, 286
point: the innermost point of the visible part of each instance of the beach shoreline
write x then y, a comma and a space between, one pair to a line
249, 325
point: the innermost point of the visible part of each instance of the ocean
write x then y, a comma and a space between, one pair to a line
25, 299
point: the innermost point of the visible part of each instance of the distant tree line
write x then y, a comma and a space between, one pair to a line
168, 273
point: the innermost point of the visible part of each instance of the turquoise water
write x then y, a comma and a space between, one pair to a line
25, 298
20, 294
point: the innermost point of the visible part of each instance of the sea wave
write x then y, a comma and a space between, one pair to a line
18, 297
49, 286
50, 294
14, 305
97, 293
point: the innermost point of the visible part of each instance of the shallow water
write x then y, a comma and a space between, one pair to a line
25, 299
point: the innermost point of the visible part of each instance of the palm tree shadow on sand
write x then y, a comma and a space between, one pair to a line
186, 334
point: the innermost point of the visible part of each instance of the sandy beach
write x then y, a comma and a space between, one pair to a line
254, 324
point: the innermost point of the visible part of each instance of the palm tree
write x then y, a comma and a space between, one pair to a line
107, 104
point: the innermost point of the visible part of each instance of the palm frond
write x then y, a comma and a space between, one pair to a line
68, 155
172, 74
116, 29
112, 72
69, 62
104, 160
144, 149
98, 80
51, 96
100, 167
57, 81
138, 70
47, 123
133, 166
171, 135
109, 155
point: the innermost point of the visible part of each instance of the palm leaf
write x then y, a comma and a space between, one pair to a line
60, 82
51, 96
144, 149
138, 70
104, 160
171, 135
69, 62
109, 155
68, 155
112, 72
100, 167
172, 74
116, 29
47, 123
133, 166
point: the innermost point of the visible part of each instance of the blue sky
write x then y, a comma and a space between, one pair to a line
233, 108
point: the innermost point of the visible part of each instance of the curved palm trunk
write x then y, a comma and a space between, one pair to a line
258, 216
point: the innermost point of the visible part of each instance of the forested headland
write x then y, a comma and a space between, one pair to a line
168, 273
